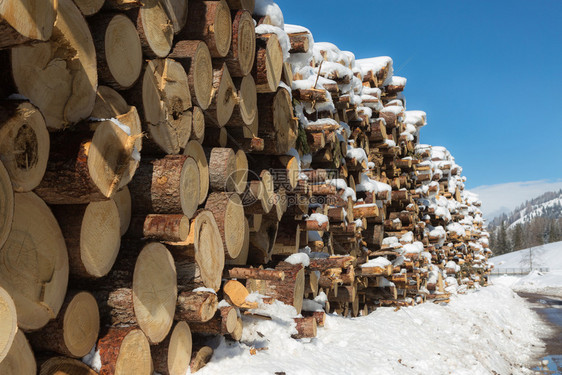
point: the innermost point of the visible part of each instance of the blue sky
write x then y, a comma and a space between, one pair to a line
488, 74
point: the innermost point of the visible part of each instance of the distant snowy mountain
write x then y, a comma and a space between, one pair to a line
547, 205
549, 255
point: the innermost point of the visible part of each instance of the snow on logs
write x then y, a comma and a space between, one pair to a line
214, 159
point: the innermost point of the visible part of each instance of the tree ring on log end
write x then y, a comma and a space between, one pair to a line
34, 262
157, 27
209, 250
134, 355
6, 204
189, 187
248, 100
65, 366
246, 43
9, 322
100, 237
234, 226
123, 51
81, 324
274, 62
223, 28
33, 19
20, 359
155, 291
203, 76
196, 151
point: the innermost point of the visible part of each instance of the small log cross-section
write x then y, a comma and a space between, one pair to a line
200, 357
223, 323
240, 57
224, 97
166, 186
124, 351
210, 21
34, 263
277, 125
268, 66
60, 76
154, 28
75, 330
229, 214
195, 150
196, 306
172, 356
24, 144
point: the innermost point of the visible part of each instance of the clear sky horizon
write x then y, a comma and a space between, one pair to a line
488, 74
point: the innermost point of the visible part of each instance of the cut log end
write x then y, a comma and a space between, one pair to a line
20, 359
9, 321
64, 366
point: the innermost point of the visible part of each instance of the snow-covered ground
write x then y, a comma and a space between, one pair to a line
549, 283
491, 330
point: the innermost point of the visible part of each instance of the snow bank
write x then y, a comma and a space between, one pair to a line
490, 330
549, 283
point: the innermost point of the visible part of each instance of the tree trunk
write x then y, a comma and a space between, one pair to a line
229, 215
222, 169
195, 57
268, 64
196, 307
83, 168
240, 57
166, 186
153, 27
242, 258
34, 262
24, 144
262, 242
124, 351
172, 356
160, 227
299, 42
256, 273
223, 323
210, 21
19, 359
92, 236
223, 99
74, 331
59, 77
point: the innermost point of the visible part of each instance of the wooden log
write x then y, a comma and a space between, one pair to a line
242, 4
118, 49
19, 359
34, 263
242, 258
200, 357
299, 42
246, 108
321, 264
165, 102
291, 289
235, 294
124, 351
92, 236
365, 211
268, 64
195, 150
162, 227
59, 77
197, 125
276, 124
241, 55
236, 335
9, 319
166, 186
154, 28
83, 167
306, 327
172, 356
24, 144
256, 273
229, 214
122, 200
195, 57
177, 13
222, 169
65, 366
201, 257
210, 21
74, 331
6, 204
26, 21
223, 323
223, 99
311, 283
283, 168
319, 316
89, 7
194, 307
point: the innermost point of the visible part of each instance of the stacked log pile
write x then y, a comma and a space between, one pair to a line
168, 169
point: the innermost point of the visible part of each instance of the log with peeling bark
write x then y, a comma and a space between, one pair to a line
268, 65
229, 215
277, 125
124, 351
60, 76
34, 265
245, 109
160, 227
64, 366
223, 99
166, 186
9, 319
19, 359
165, 101
306, 327
6, 204
196, 307
172, 356
240, 57
92, 235
118, 49
200, 259
26, 21
195, 57
74, 331
223, 323
222, 169
256, 273
300, 42
154, 28
24, 143
291, 289
200, 357
85, 167
210, 21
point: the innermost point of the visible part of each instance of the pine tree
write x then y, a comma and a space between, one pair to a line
503, 244
517, 237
